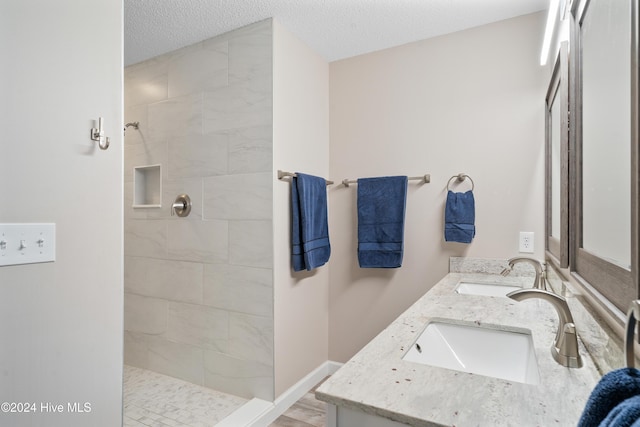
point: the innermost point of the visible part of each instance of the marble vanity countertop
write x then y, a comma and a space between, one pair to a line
377, 381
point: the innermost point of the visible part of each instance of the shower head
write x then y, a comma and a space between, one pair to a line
134, 124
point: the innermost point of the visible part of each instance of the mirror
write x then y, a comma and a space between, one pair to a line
603, 139
606, 131
557, 175
555, 168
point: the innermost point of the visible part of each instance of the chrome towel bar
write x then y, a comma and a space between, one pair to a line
424, 178
282, 175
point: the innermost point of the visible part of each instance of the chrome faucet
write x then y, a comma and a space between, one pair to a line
565, 346
539, 282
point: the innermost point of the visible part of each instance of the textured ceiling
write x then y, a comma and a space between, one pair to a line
336, 29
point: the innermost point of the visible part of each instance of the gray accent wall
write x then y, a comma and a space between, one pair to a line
199, 290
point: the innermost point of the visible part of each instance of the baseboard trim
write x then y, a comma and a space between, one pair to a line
261, 413
247, 413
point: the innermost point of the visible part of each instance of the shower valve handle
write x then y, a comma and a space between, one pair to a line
181, 206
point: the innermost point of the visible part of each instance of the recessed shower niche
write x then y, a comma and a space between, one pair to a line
147, 186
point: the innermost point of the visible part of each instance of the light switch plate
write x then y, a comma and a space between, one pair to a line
27, 243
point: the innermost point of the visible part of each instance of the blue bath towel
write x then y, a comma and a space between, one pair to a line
381, 208
460, 217
626, 414
614, 388
310, 246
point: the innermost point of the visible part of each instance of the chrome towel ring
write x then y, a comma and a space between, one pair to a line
632, 318
460, 178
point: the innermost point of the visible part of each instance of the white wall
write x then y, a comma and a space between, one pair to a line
301, 143
61, 322
470, 102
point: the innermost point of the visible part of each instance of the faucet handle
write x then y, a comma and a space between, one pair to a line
544, 284
565, 346
565, 350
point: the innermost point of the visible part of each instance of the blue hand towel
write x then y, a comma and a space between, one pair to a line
310, 230
460, 217
614, 388
381, 208
626, 414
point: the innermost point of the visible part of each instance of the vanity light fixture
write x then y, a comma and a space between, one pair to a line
566, 10
554, 6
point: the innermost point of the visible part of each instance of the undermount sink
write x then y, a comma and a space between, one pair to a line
485, 289
479, 350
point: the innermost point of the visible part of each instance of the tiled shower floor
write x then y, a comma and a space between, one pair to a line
152, 399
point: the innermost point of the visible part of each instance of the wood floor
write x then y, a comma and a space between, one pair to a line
306, 412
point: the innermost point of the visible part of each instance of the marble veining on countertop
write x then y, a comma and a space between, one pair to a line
377, 381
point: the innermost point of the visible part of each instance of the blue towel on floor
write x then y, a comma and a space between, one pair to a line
381, 208
310, 246
626, 414
460, 217
614, 388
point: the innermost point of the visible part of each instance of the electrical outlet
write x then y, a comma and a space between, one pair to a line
526, 242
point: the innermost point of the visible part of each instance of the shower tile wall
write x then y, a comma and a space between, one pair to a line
198, 290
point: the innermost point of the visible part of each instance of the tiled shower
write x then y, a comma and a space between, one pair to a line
199, 289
